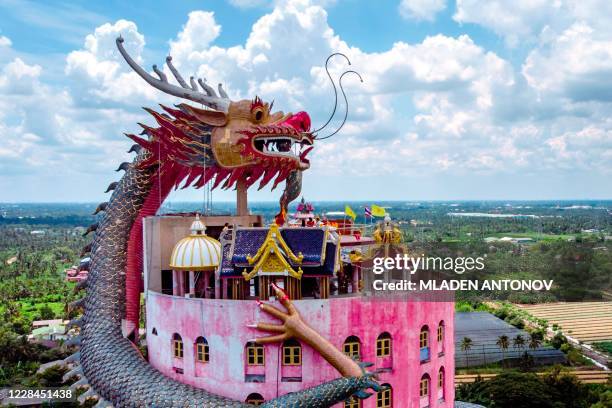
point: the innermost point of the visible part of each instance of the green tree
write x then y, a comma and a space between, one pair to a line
605, 400
508, 390
503, 342
566, 387
53, 376
466, 346
46, 312
518, 342
535, 340
558, 340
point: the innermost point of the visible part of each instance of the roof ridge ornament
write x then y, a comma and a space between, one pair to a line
274, 245
197, 226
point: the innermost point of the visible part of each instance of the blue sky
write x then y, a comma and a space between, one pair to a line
462, 99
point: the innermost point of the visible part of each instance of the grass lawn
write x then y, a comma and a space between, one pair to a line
605, 346
33, 310
533, 235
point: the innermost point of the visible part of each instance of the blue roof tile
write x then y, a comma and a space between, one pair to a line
309, 241
247, 242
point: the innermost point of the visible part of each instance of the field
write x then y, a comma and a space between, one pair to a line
588, 322
605, 346
536, 236
585, 376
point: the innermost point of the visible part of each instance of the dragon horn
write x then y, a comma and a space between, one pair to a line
183, 91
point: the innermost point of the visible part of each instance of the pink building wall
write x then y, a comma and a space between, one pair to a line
224, 324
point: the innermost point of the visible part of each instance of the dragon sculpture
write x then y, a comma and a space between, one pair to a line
227, 143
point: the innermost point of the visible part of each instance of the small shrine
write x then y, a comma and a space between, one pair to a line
193, 262
276, 263
304, 215
387, 232
300, 260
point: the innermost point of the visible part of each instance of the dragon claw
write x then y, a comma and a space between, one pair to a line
374, 385
362, 394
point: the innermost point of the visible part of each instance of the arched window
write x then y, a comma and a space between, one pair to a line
424, 343
384, 398
255, 399
383, 345
424, 337
292, 353
202, 350
255, 354
441, 332
352, 347
352, 402
424, 386
441, 379
177, 345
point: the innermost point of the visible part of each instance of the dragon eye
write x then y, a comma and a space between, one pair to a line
258, 115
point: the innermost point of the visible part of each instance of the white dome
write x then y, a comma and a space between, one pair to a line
196, 252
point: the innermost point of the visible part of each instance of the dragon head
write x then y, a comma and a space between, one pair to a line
255, 135
225, 140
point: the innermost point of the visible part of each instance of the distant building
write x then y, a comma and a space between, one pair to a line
521, 240
52, 333
49, 332
47, 323
74, 275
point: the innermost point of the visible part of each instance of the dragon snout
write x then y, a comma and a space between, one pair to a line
299, 121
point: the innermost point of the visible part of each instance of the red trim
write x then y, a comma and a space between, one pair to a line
133, 275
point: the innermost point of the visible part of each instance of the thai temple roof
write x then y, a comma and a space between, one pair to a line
312, 244
309, 241
274, 256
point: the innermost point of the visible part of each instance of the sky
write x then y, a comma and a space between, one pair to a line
461, 99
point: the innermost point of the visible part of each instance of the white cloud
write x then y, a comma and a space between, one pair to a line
421, 9
532, 20
19, 78
513, 20
196, 36
44, 132
574, 64
5, 41
100, 71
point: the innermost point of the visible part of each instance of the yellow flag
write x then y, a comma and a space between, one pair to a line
378, 211
349, 212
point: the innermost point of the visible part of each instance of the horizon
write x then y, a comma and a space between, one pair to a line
456, 102
406, 201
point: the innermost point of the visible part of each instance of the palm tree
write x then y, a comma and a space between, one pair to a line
503, 342
519, 342
466, 345
535, 340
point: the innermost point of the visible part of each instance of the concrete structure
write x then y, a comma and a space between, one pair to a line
201, 337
